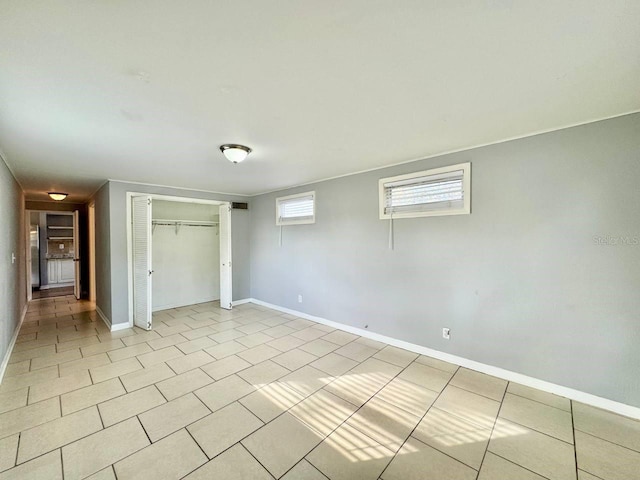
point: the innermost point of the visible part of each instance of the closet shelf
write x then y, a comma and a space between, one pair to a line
59, 228
59, 238
181, 223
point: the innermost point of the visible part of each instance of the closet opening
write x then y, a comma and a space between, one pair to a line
179, 254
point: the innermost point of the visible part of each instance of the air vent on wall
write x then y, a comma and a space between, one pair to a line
240, 205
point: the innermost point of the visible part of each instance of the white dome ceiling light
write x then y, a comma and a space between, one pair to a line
57, 196
235, 153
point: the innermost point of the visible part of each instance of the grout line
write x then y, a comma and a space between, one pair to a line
493, 427
518, 465
247, 450
542, 403
573, 433
608, 441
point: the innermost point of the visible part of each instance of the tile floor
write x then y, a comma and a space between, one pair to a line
256, 394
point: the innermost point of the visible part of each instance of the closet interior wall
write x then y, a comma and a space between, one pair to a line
185, 254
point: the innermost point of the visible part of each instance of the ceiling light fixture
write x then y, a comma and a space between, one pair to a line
57, 196
235, 153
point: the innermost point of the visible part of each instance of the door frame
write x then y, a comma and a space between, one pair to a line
169, 198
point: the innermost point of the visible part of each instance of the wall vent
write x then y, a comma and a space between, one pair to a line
240, 205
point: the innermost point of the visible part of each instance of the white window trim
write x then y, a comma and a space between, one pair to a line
466, 185
306, 221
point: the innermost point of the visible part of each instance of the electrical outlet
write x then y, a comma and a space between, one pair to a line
446, 333
299, 298
61, 246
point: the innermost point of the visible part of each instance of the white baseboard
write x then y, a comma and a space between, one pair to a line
570, 393
240, 302
182, 304
112, 328
14, 338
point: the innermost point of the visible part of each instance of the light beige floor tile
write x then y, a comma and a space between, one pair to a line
540, 453
356, 351
179, 385
263, 373
275, 321
104, 474
340, 338
469, 406
167, 331
538, 416
140, 337
334, 364
116, 369
480, 383
56, 433
282, 443
91, 395
252, 328
363, 381
605, 459
323, 412
225, 367
102, 347
199, 332
254, 339
226, 336
19, 355
59, 386
306, 380
172, 416
307, 334
347, 453
80, 342
19, 368
223, 392
226, 349
129, 405
27, 379
582, 475
271, 400
416, 461
436, 363
425, 376
159, 356
14, 399
195, 345
286, 343
234, 464
319, 347
69, 368
390, 426
396, 356
129, 352
218, 431
607, 426
8, 452
294, 359
540, 396
46, 467
259, 354
55, 359
106, 446
141, 378
497, 468
172, 457
408, 396
164, 342
279, 331
106, 336
303, 470
191, 361
463, 440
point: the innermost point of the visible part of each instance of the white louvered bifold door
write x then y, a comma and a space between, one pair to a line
76, 253
225, 257
141, 228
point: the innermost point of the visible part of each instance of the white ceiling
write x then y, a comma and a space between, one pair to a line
147, 90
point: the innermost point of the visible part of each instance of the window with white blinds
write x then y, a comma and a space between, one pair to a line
296, 209
441, 191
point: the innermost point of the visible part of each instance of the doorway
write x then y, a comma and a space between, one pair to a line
53, 255
179, 253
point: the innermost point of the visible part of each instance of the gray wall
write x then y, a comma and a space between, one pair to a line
118, 307
13, 295
534, 280
103, 250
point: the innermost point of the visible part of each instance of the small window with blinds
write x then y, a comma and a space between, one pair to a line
296, 209
440, 191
